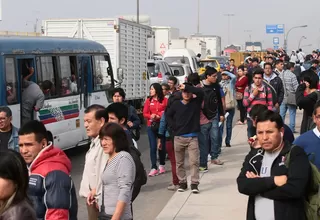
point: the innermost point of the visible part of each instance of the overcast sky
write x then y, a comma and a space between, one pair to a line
249, 15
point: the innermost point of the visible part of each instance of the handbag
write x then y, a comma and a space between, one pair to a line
290, 98
102, 214
155, 126
239, 95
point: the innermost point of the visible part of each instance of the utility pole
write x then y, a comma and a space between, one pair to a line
138, 11
198, 24
229, 15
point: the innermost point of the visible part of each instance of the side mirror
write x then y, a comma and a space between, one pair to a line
167, 74
176, 73
120, 75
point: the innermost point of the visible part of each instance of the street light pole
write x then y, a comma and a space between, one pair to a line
229, 15
138, 11
302, 38
285, 46
198, 24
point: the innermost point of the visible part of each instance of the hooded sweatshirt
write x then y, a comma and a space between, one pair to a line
51, 188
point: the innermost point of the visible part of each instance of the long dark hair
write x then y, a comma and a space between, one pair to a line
14, 168
158, 88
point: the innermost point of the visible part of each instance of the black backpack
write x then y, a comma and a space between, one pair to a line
210, 107
141, 174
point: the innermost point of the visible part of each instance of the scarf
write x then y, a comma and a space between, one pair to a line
6, 205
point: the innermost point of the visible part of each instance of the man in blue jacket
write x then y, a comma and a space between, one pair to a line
8, 133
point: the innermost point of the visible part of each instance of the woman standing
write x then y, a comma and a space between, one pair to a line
118, 176
241, 84
153, 109
14, 180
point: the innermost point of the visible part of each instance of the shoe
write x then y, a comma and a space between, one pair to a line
203, 169
173, 187
228, 145
194, 188
153, 172
217, 162
162, 170
182, 187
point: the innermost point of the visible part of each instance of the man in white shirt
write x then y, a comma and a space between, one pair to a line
95, 160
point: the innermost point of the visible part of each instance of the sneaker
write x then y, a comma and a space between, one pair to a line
173, 187
228, 145
203, 169
153, 172
162, 170
194, 188
217, 162
183, 187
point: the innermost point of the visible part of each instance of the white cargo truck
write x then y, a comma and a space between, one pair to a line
126, 42
163, 35
213, 44
197, 46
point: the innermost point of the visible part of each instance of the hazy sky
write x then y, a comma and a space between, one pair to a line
249, 15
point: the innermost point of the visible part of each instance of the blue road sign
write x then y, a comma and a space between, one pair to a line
275, 47
276, 40
275, 29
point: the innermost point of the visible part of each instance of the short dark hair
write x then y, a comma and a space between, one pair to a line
118, 135
270, 116
120, 91
315, 62
267, 64
278, 61
290, 65
167, 87
120, 110
231, 60
258, 71
174, 79
241, 67
95, 108
210, 71
256, 110
6, 110
194, 79
316, 106
34, 127
47, 84
14, 168
255, 60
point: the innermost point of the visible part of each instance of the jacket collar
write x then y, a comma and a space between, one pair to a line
286, 148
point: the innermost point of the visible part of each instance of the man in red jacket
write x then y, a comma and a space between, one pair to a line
51, 188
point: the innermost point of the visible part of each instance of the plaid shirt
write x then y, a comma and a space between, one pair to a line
264, 97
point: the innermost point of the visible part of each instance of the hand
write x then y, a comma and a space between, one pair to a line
31, 70
36, 109
130, 124
91, 197
182, 86
221, 118
158, 116
159, 144
280, 180
251, 175
153, 116
255, 91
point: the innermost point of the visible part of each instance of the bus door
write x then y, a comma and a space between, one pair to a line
26, 71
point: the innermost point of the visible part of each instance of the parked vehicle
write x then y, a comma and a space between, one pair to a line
223, 61
162, 37
181, 71
213, 43
159, 71
197, 46
182, 56
208, 62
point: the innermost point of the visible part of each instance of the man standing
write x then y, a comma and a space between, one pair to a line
276, 189
51, 188
275, 84
290, 84
256, 93
9, 138
95, 160
279, 67
184, 118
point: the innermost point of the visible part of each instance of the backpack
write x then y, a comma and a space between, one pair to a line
274, 92
229, 99
311, 124
312, 197
210, 102
141, 174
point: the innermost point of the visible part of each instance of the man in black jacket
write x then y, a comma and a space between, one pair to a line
275, 191
184, 118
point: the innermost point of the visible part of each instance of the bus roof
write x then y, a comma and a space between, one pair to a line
44, 45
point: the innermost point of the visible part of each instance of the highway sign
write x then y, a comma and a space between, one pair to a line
275, 29
276, 40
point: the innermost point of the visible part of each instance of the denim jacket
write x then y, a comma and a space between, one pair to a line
163, 127
13, 143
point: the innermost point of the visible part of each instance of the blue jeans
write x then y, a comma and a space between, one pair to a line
203, 138
229, 127
292, 114
153, 149
251, 130
215, 149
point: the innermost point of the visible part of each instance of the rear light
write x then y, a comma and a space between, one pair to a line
160, 75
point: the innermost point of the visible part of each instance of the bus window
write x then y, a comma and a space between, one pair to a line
46, 77
101, 78
11, 82
68, 75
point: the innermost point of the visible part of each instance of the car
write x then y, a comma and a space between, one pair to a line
208, 62
223, 61
159, 71
181, 71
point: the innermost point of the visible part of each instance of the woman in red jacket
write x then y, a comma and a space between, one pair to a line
241, 84
153, 109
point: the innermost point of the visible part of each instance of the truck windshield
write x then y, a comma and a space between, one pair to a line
177, 60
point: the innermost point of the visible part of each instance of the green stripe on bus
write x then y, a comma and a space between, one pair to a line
63, 108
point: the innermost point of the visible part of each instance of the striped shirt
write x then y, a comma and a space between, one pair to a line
264, 97
290, 82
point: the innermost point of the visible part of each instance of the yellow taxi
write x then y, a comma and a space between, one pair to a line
208, 62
